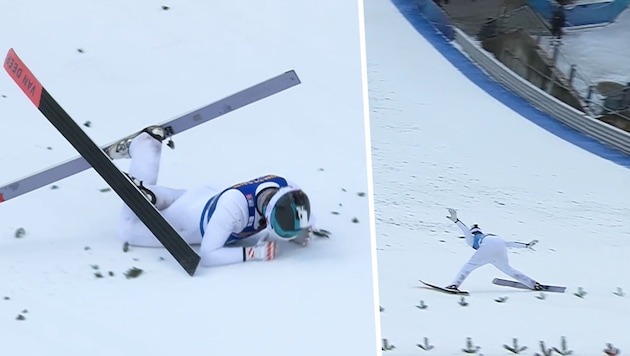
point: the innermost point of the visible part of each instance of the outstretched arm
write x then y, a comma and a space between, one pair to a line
516, 244
465, 230
230, 216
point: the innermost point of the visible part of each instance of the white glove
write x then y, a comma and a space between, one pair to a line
453, 215
263, 251
531, 244
303, 238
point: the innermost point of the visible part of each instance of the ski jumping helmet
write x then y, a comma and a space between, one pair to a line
288, 213
475, 229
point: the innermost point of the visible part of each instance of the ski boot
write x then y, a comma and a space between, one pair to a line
121, 149
144, 190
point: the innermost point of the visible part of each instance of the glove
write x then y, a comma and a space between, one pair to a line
453, 215
263, 251
531, 244
303, 238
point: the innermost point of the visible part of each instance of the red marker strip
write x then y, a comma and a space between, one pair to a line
23, 77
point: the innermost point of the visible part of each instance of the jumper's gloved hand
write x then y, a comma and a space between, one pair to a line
262, 251
453, 215
531, 244
304, 237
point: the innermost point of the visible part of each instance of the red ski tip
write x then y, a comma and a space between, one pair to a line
23, 77
1, 198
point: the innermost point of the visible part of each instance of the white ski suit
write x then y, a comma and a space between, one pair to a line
213, 218
490, 249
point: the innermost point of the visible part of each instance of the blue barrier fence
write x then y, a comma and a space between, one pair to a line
412, 11
434, 14
582, 14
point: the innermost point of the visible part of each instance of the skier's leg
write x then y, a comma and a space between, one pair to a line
181, 215
165, 196
145, 151
133, 231
478, 259
502, 264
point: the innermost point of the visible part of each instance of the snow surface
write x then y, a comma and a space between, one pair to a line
139, 64
599, 54
440, 141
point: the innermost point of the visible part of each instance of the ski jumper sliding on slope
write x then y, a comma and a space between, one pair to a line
489, 249
240, 223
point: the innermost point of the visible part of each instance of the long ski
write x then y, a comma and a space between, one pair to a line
444, 290
96, 157
515, 284
171, 127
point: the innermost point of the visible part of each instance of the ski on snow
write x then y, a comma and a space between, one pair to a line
171, 127
499, 282
515, 284
445, 290
94, 156
118, 181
